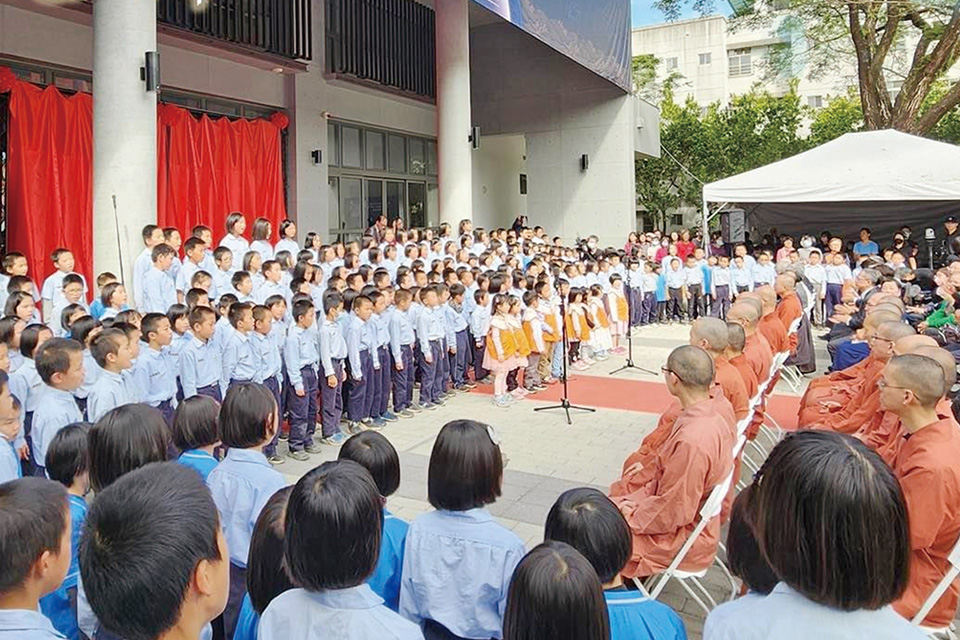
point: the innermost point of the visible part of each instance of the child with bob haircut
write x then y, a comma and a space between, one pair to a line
465, 475
138, 588
196, 433
589, 522
34, 554
68, 462
555, 595
375, 454
266, 577
244, 481
331, 546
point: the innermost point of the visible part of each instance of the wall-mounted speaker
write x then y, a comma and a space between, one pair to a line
150, 72
584, 162
475, 137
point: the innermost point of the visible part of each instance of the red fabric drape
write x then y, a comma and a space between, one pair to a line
206, 169
209, 168
49, 175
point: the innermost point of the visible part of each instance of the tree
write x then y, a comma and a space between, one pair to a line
842, 114
915, 42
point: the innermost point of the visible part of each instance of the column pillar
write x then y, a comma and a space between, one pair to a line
455, 160
124, 132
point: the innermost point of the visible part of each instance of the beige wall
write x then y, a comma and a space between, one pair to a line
497, 166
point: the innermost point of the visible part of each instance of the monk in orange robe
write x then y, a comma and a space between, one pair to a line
862, 407
710, 334
736, 340
789, 309
697, 456
926, 466
770, 325
832, 392
883, 432
746, 312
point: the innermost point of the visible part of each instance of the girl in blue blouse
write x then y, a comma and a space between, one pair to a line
458, 561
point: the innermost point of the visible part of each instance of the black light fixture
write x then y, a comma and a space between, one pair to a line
584, 163
474, 137
317, 156
150, 71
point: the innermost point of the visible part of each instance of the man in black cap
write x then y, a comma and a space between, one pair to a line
950, 245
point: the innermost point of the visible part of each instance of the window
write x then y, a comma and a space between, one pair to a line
373, 152
676, 220
670, 63
815, 102
398, 153
418, 160
431, 158
705, 58
740, 62
351, 146
333, 144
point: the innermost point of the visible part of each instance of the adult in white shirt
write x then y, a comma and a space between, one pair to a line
838, 497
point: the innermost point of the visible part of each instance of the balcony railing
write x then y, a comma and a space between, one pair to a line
279, 27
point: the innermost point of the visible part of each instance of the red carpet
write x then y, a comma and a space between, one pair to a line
643, 396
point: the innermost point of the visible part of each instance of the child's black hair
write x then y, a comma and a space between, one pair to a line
124, 439
67, 454
150, 323
53, 356
82, 327
466, 467
266, 577
247, 415
374, 452
195, 424
33, 517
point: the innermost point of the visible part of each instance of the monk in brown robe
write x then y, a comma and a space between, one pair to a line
710, 334
697, 456
770, 325
789, 309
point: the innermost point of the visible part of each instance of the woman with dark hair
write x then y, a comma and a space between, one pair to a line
555, 595
832, 523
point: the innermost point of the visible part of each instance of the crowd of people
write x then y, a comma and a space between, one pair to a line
170, 407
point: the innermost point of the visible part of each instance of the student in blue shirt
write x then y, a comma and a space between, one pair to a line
865, 246
301, 353
333, 352
200, 368
159, 289
238, 355
269, 366
375, 453
555, 594
35, 545
359, 361
244, 481
68, 462
266, 578
196, 433
97, 306
430, 334
112, 352
458, 561
179, 585
152, 375
84, 330
10, 468
60, 365
332, 543
589, 522
402, 343
26, 385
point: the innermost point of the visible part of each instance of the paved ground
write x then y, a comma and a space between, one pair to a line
546, 456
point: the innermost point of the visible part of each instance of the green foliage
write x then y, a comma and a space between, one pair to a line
842, 114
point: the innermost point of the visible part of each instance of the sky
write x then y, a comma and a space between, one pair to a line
644, 14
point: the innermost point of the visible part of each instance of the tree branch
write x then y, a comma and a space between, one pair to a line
942, 107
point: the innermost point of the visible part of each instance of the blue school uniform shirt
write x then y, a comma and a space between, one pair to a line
199, 460
26, 385
9, 462
159, 292
241, 486
764, 273
333, 346
636, 617
239, 357
56, 605
109, 392
97, 308
153, 377
356, 613
247, 621
401, 333
300, 350
457, 567
430, 327
56, 410
268, 361
22, 624
385, 580
199, 366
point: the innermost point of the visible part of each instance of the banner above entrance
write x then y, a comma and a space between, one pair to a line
594, 33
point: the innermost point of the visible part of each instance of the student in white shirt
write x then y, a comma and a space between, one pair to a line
236, 224
262, 233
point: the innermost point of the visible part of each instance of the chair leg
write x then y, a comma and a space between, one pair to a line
699, 585
693, 594
726, 572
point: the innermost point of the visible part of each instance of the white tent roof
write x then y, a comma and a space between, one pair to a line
870, 166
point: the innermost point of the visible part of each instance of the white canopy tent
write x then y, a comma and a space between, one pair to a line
878, 179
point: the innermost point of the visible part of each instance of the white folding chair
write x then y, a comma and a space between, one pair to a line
710, 510
941, 588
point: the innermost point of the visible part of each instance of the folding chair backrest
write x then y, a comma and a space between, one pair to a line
942, 586
794, 326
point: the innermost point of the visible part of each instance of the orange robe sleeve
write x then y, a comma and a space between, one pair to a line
733, 388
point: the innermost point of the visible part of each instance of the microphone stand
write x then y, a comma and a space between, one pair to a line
565, 398
629, 364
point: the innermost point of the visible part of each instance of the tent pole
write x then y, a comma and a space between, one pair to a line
706, 225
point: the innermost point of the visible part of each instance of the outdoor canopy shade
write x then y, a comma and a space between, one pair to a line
878, 179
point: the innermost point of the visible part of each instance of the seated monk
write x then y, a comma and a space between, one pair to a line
882, 432
831, 392
736, 339
710, 334
789, 309
746, 312
770, 325
862, 407
926, 466
664, 507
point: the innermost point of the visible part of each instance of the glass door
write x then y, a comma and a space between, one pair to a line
396, 203
417, 202
374, 200
351, 208
333, 206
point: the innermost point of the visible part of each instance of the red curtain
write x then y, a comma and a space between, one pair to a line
49, 175
206, 169
209, 168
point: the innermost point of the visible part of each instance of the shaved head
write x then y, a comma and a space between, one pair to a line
920, 374
746, 312
693, 366
946, 361
890, 305
736, 338
768, 297
709, 333
877, 318
908, 344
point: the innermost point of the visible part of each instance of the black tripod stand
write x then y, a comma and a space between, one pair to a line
629, 364
565, 398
